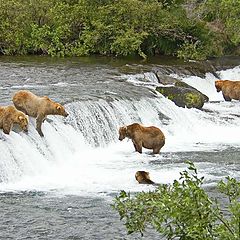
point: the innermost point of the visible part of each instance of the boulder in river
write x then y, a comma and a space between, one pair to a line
183, 95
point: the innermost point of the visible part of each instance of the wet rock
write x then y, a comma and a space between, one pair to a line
186, 69
185, 85
183, 95
165, 79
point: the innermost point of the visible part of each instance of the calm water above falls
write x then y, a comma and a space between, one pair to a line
62, 185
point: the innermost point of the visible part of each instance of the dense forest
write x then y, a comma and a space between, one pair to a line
193, 29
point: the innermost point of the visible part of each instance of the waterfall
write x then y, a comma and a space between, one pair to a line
82, 152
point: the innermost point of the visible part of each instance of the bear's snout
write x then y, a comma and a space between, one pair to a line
25, 128
66, 114
121, 137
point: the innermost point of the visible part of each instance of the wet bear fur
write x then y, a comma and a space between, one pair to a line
37, 107
9, 115
143, 177
230, 89
147, 137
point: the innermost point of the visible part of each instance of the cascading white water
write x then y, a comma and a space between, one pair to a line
82, 154
206, 85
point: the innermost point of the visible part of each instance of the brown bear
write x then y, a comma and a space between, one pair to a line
143, 177
9, 115
37, 107
147, 137
230, 89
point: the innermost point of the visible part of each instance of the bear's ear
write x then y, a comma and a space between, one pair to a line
219, 81
58, 107
124, 128
47, 98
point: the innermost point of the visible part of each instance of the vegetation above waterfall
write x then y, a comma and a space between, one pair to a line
184, 210
187, 29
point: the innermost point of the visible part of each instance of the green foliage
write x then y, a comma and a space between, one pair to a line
231, 188
124, 27
223, 17
14, 29
192, 50
183, 210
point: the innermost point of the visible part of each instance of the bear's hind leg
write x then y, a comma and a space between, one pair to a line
156, 150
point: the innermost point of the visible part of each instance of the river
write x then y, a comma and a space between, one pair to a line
61, 186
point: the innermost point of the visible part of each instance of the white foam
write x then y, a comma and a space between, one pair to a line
147, 79
67, 161
230, 74
207, 85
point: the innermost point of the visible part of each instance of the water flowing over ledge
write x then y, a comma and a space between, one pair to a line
82, 155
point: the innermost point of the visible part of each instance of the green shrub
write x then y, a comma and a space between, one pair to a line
183, 210
124, 27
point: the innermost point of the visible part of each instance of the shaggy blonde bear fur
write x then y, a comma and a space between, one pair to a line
9, 115
37, 107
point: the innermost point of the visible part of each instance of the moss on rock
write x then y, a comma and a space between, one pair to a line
193, 100
183, 96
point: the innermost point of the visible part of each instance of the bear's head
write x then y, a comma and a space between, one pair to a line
23, 121
60, 110
122, 133
218, 85
142, 176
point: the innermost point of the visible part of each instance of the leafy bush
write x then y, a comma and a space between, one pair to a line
124, 27
223, 18
183, 210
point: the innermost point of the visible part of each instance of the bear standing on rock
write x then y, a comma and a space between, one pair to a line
9, 115
37, 107
147, 137
230, 89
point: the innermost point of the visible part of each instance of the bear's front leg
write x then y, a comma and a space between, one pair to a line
7, 127
226, 98
137, 145
39, 121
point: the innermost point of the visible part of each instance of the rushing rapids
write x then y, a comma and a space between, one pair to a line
82, 155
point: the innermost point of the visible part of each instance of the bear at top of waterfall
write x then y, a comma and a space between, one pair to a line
147, 137
230, 89
37, 107
143, 177
9, 115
